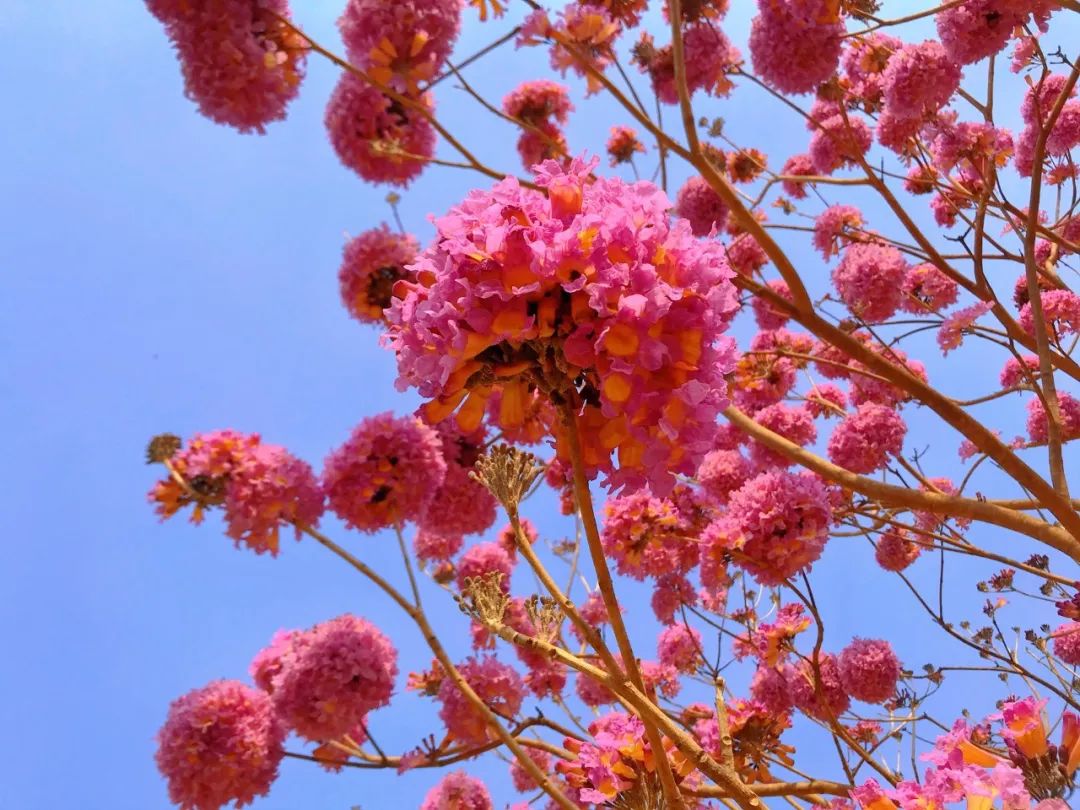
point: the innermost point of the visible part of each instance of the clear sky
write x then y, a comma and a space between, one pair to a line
159, 273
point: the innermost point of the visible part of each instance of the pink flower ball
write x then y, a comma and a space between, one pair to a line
865, 440
538, 101
836, 226
646, 536
803, 686
548, 680
698, 204
825, 400
458, 791
776, 524
919, 80
508, 541
927, 289
1019, 372
545, 141
661, 679
522, 779
241, 65
708, 56
461, 505
385, 474
338, 672
497, 684
869, 279
979, 28
795, 46
769, 686
372, 263
672, 591
765, 314
405, 39
1067, 643
679, 646
268, 662
220, 744
379, 139
869, 670
837, 143
895, 551
864, 61
591, 692
795, 424
429, 546
795, 167
1061, 310
1038, 424
865, 388
482, 559
746, 255
722, 472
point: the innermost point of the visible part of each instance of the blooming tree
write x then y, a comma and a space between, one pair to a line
739, 413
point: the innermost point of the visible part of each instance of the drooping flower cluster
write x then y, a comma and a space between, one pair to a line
587, 294
919, 80
869, 670
372, 264
242, 62
869, 279
542, 107
260, 487
701, 206
867, 439
795, 45
708, 56
220, 744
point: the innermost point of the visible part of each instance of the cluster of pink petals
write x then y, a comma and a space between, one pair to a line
220, 744
632, 306
708, 56
461, 505
522, 779
483, 559
332, 675
771, 642
955, 326
803, 685
976, 29
866, 388
797, 166
1036, 110
458, 791
919, 80
647, 536
869, 670
1038, 425
927, 289
974, 147
869, 279
507, 539
765, 314
267, 663
794, 423
1017, 372
769, 686
430, 546
497, 684
701, 206
386, 472
722, 472
895, 550
241, 64
795, 45
1061, 311
403, 42
623, 144
382, 140
866, 440
825, 400
590, 28
836, 226
671, 592
679, 646
864, 62
1067, 643
839, 141
371, 264
775, 525
259, 486
542, 106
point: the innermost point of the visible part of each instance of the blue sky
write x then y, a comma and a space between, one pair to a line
159, 273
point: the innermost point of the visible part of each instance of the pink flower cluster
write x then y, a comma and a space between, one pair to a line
927, 289
372, 264
542, 106
698, 204
869, 670
1038, 424
220, 744
679, 647
708, 56
866, 440
647, 536
458, 791
259, 486
919, 80
976, 29
869, 279
588, 287
242, 63
623, 144
795, 45
497, 684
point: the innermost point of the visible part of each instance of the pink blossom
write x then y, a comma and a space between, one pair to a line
429, 546
538, 101
671, 592
461, 505
1061, 310
402, 43
795, 424
267, 663
333, 676
698, 204
259, 486
508, 540
919, 80
836, 226
646, 536
869, 670
865, 440
769, 686
631, 326
372, 263
1067, 643
927, 289
825, 400
795, 46
746, 254
869, 279
591, 692
839, 141
776, 524
1038, 424
895, 551
953, 328
241, 64
866, 388
379, 139
482, 559
458, 791
708, 57
623, 144
522, 779
679, 646
766, 315
722, 472
804, 685
795, 167
219, 744
498, 685
977, 29
385, 474
864, 61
